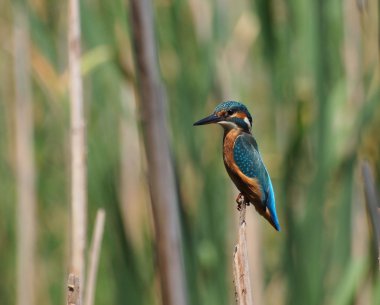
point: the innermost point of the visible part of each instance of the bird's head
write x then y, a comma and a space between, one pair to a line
230, 115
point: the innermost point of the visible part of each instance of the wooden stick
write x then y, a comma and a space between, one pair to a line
372, 203
94, 257
242, 281
73, 290
25, 171
161, 173
78, 147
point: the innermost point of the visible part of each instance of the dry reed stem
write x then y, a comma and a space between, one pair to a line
242, 281
372, 203
94, 257
78, 148
161, 173
25, 171
73, 290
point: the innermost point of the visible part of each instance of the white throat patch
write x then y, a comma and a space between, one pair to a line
228, 124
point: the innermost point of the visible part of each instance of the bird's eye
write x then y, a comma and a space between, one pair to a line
230, 112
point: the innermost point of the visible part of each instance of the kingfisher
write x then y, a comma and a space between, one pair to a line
242, 159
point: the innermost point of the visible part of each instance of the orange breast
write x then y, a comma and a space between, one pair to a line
249, 187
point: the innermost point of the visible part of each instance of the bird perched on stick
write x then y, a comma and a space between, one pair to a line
242, 159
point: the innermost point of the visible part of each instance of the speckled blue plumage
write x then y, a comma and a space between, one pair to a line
233, 106
247, 157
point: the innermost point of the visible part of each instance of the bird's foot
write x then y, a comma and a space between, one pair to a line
240, 200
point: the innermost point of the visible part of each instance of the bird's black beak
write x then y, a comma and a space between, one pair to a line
208, 120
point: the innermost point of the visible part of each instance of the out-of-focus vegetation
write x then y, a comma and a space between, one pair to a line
309, 73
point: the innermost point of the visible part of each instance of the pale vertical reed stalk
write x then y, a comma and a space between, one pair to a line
96, 242
78, 148
25, 171
372, 204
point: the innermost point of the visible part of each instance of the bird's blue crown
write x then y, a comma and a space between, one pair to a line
232, 105
235, 107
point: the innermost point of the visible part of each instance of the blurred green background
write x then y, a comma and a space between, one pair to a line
309, 73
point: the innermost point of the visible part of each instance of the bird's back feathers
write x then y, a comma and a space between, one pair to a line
247, 158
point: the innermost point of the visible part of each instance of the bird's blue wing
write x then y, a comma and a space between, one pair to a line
248, 159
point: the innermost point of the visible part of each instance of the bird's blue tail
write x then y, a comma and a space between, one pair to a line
271, 204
